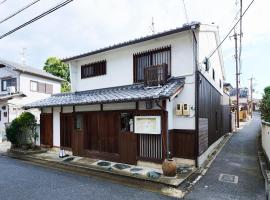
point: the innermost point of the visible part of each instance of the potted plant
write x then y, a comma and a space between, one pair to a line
169, 166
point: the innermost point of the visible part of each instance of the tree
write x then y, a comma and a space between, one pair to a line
57, 68
265, 105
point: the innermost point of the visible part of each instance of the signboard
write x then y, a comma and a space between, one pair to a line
147, 124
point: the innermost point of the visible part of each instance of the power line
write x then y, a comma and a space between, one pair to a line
58, 6
19, 11
231, 30
241, 35
185, 11
3, 2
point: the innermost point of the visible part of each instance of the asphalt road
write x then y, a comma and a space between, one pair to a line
23, 181
239, 158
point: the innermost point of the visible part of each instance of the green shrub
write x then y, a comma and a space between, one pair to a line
12, 132
265, 105
22, 130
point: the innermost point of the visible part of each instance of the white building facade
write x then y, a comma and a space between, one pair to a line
142, 100
20, 85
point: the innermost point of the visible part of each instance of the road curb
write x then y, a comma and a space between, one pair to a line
102, 175
263, 166
200, 172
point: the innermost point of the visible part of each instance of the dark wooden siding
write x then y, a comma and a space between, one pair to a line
66, 129
226, 113
46, 129
102, 131
203, 135
210, 107
182, 143
103, 138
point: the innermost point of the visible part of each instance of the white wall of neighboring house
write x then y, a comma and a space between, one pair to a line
31, 96
120, 62
266, 138
14, 106
208, 41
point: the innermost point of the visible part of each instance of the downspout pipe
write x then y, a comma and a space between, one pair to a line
197, 82
168, 153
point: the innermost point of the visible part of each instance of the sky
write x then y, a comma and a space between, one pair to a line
86, 25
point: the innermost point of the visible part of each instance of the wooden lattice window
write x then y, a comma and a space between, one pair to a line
154, 57
93, 69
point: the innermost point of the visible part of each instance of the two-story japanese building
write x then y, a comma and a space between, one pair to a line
143, 99
20, 85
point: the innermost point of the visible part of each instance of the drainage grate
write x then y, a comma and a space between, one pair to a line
228, 178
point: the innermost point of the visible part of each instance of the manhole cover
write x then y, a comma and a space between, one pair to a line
228, 178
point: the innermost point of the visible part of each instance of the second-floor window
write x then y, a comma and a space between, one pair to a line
151, 58
41, 87
34, 86
93, 69
5, 83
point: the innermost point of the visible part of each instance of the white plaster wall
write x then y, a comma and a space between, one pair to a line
31, 96
46, 110
226, 99
85, 108
187, 95
120, 62
56, 126
67, 109
142, 105
120, 106
208, 41
170, 106
3, 119
266, 138
8, 72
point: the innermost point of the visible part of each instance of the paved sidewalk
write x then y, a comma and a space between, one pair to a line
238, 158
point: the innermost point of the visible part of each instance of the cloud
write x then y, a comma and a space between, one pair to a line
85, 25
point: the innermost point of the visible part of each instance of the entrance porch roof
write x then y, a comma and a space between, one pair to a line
128, 93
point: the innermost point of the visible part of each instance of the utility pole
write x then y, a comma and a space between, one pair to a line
237, 77
251, 95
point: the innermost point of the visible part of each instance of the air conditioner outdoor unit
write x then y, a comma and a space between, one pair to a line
11, 89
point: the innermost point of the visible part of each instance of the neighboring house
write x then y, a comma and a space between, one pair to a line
227, 88
136, 101
245, 107
20, 85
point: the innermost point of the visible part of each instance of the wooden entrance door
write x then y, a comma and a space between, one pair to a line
66, 129
78, 135
128, 148
46, 129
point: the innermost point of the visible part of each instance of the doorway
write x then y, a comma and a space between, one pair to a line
78, 135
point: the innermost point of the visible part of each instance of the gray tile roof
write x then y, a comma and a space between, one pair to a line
29, 70
8, 96
185, 27
136, 92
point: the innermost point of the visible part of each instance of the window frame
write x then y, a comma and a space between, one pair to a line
94, 69
7, 85
150, 53
31, 81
